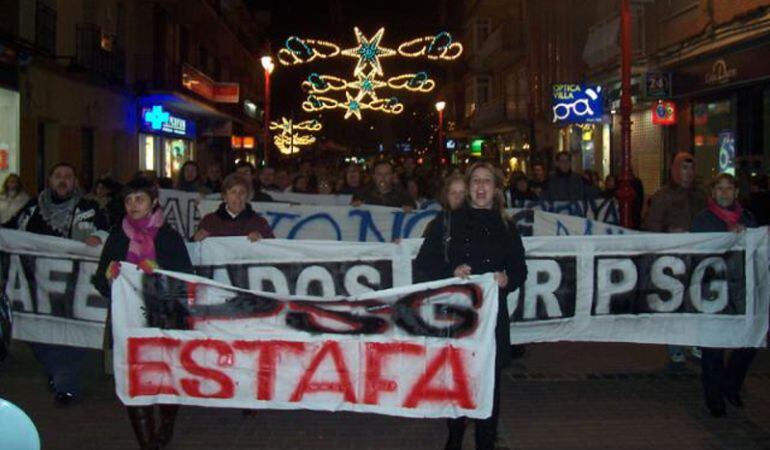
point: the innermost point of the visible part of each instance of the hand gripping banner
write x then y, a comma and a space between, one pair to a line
421, 351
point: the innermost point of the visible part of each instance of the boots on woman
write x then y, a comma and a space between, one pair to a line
143, 421
167, 418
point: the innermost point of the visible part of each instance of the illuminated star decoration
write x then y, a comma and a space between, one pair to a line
362, 93
288, 140
368, 52
353, 105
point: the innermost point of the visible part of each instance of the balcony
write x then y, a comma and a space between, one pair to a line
497, 116
503, 46
99, 53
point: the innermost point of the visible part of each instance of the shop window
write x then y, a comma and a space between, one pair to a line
175, 153
714, 138
9, 132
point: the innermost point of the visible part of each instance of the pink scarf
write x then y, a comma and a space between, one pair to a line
728, 216
141, 234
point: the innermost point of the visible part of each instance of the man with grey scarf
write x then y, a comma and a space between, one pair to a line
61, 210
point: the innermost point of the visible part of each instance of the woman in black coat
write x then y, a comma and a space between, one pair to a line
479, 238
143, 238
721, 383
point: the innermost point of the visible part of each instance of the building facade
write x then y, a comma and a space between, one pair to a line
116, 86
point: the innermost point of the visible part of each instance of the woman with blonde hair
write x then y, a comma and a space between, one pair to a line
475, 239
12, 198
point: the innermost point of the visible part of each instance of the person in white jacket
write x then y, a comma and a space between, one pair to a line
12, 197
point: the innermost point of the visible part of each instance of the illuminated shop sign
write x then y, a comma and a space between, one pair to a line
156, 120
664, 113
577, 103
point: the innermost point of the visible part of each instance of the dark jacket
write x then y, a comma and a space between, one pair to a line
171, 255
674, 207
170, 249
87, 219
565, 187
396, 197
479, 238
708, 222
221, 223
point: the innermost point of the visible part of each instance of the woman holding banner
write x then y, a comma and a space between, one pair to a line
234, 217
720, 383
476, 239
144, 239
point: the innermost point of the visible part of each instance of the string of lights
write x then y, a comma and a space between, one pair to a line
361, 93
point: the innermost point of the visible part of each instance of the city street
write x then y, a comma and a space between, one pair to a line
558, 396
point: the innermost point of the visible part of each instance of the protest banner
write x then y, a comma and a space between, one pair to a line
417, 351
705, 289
327, 217
385, 224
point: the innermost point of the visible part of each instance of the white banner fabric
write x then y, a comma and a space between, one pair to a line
385, 224
387, 352
705, 289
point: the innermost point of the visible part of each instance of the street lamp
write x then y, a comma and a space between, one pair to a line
440, 108
267, 64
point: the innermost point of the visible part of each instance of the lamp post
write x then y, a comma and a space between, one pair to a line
626, 194
267, 64
440, 108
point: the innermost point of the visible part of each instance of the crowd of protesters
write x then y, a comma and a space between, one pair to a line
465, 239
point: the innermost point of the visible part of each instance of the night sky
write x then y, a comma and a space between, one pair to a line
333, 20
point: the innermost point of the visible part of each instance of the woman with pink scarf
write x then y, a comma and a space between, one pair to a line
723, 213
144, 239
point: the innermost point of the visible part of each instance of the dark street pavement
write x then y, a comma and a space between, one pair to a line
558, 396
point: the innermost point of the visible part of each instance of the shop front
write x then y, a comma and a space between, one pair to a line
727, 99
9, 133
166, 141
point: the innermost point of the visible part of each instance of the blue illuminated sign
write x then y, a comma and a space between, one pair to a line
156, 120
577, 103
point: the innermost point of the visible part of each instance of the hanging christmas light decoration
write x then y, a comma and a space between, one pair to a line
361, 93
289, 141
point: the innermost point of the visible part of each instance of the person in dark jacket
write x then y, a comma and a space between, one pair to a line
247, 170
234, 217
723, 213
61, 210
564, 185
520, 189
144, 239
384, 190
481, 239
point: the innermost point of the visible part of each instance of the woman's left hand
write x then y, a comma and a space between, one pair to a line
739, 228
502, 279
254, 236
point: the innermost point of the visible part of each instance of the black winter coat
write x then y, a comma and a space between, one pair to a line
169, 248
708, 222
171, 254
481, 239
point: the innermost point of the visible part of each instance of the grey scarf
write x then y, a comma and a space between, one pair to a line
58, 215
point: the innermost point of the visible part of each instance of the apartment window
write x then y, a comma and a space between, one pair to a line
482, 90
470, 103
483, 28
45, 27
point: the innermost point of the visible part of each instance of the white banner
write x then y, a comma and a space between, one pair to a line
688, 289
301, 199
420, 351
327, 217
385, 224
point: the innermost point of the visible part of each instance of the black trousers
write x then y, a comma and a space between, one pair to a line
719, 379
486, 429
